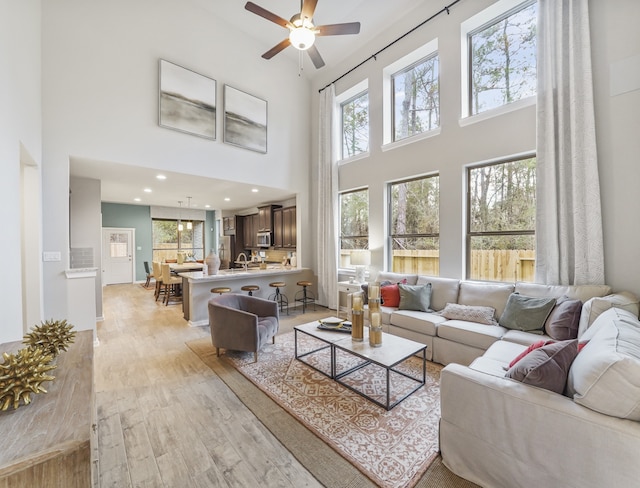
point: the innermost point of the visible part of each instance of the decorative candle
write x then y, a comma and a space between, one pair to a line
356, 303
375, 319
374, 290
375, 330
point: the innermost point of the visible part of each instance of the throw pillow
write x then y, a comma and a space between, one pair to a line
470, 313
564, 319
526, 313
546, 367
390, 295
415, 297
533, 346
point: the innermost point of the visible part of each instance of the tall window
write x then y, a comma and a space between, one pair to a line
354, 224
414, 226
502, 59
355, 125
501, 221
416, 98
168, 240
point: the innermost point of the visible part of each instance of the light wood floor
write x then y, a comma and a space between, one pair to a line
164, 418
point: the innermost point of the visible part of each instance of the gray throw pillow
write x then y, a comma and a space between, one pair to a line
564, 319
415, 297
528, 314
546, 367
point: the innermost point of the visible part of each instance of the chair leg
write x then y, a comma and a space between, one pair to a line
218, 351
273, 340
255, 357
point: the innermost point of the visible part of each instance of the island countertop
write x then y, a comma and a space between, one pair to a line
196, 287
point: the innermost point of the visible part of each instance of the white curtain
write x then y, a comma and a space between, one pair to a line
327, 203
569, 241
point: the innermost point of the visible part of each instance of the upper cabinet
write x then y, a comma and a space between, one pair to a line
265, 218
250, 231
284, 228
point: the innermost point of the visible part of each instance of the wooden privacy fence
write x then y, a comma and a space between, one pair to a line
486, 265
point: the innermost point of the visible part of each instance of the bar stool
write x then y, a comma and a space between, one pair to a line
281, 298
305, 296
220, 290
250, 289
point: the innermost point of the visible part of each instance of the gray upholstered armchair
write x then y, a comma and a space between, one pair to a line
242, 323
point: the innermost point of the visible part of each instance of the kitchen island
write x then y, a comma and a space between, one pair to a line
196, 287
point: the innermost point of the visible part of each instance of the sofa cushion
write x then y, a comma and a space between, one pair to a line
605, 376
390, 295
487, 294
580, 292
470, 333
546, 367
443, 290
415, 297
469, 313
525, 313
564, 319
595, 306
523, 338
422, 322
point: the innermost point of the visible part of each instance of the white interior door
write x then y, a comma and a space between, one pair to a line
117, 256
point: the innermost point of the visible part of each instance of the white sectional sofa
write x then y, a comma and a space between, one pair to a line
499, 429
499, 432
460, 341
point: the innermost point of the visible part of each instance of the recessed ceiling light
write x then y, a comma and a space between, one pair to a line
254, 190
137, 199
147, 190
161, 177
227, 199
207, 206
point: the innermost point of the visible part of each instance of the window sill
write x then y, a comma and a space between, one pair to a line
497, 112
357, 157
410, 140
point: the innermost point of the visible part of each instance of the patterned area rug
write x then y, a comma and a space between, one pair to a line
393, 448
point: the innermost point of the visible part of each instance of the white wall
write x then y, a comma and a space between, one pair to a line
20, 122
100, 90
615, 36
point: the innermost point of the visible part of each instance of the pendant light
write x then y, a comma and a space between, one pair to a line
180, 226
189, 224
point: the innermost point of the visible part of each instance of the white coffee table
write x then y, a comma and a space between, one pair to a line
393, 352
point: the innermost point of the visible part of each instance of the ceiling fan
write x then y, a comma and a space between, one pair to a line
302, 32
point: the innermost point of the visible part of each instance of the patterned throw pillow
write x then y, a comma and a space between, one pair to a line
470, 313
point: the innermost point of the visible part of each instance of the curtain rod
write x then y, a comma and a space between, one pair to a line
373, 56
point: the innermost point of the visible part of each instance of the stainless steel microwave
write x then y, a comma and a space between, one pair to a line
264, 239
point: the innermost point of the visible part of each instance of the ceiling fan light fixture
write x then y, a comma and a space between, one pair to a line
302, 38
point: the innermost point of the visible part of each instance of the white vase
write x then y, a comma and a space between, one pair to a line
213, 263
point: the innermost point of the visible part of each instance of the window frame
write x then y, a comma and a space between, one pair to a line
345, 97
433, 55
341, 237
414, 56
390, 235
180, 247
468, 233
492, 14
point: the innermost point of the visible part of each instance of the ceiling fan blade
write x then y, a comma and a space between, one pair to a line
308, 8
276, 49
317, 60
338, 29
258, 10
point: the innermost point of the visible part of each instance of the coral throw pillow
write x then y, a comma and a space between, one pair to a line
390, 295
535, 345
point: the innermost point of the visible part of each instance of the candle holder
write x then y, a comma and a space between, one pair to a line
375, 329
357, 325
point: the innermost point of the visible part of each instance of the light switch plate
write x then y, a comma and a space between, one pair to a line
51, 256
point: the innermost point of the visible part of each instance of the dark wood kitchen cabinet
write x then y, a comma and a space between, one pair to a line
250, 231
265, 218
284, 228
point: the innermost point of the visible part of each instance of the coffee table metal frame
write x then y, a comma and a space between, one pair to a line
397, 351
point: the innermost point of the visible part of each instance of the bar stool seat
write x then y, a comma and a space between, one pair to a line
221, 289
250, 289
305, 296
279, 297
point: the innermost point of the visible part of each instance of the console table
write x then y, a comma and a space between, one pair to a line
48, 442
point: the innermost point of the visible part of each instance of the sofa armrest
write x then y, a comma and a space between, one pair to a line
500, 432
593, 307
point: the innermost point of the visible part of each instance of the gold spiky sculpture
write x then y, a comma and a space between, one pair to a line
23, 373
53, 336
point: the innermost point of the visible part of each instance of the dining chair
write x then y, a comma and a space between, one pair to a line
149, 274
157, 272
171, 284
